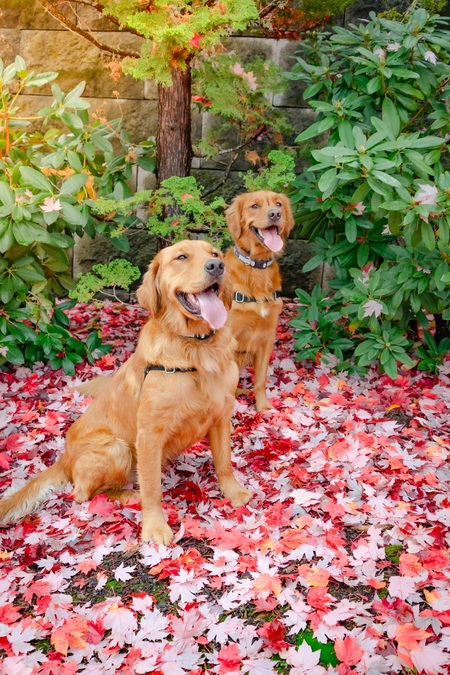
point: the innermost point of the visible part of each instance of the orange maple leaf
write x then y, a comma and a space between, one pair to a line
314, 576
70, 634
409, 636
348, 651
410, 565
266, 583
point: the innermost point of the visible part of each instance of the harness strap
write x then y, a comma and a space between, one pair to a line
240, 297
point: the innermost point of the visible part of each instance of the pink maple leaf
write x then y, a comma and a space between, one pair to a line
229, 658
372, 307
122, 622
348, 651
274, 633
303, 660
195, 41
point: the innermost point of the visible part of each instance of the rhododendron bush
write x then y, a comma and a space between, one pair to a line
339, 564
376, 199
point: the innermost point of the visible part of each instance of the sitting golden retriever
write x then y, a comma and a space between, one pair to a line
259, 223
174, 390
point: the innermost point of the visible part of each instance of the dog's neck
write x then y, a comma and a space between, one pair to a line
259, 264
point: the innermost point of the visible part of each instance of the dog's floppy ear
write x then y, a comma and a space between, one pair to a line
233, 216
148, 293
289, 220
227, 292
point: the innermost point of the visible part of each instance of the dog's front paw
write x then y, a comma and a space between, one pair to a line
262, 403
157, 531
241, 497
237, 494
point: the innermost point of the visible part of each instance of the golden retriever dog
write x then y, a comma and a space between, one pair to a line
259, 223
177, 388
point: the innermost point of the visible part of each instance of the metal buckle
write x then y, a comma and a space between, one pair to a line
169, 370
239, 297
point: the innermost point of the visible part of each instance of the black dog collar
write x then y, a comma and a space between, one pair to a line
259, 264
240, 297
169, 371
199, 337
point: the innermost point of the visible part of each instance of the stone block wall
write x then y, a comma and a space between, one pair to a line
27, 30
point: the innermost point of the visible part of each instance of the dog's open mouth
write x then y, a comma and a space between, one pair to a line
270, 237
206, 305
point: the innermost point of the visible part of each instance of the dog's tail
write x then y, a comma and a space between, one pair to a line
27, 499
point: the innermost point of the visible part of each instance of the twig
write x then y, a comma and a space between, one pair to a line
225, 176
425, 105
49, 7
234, 157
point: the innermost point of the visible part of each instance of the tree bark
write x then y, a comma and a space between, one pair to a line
174, 126
173, 140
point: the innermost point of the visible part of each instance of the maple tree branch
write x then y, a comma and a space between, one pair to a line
98, 7
232, 159
264, 11
225, 176
49, 7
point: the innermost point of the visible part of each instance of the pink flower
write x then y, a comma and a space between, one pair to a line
50, 205
366, 270
358, 208
393, 47
431, 57
251, 79
426, 194
237, 69
380, 53
185, 196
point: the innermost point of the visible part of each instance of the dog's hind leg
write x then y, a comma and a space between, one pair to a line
102, 464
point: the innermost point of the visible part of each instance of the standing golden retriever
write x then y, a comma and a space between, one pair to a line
174, 390
259, 223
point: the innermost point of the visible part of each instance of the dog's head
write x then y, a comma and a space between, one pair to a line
186, 283
260, 221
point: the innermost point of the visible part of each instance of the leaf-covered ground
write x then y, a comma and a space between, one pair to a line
339, 564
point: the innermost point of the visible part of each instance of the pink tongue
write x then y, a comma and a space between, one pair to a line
212, 309
272, 239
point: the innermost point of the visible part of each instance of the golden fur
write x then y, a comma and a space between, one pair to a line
140, 422
254, 323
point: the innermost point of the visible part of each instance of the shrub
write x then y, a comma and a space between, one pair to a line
376, 198
46, 176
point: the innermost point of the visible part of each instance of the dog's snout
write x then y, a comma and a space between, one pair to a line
214, 267
274, 215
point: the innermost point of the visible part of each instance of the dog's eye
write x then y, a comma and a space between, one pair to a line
182, 257
255, 206
279, 204
215, 254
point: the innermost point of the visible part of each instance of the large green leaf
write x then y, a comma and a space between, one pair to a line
7, 195
73, 184
390, 118
36, 179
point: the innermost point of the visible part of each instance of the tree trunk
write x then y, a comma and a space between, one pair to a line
173, 140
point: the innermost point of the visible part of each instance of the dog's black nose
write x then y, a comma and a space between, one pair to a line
274, 215
214, 267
